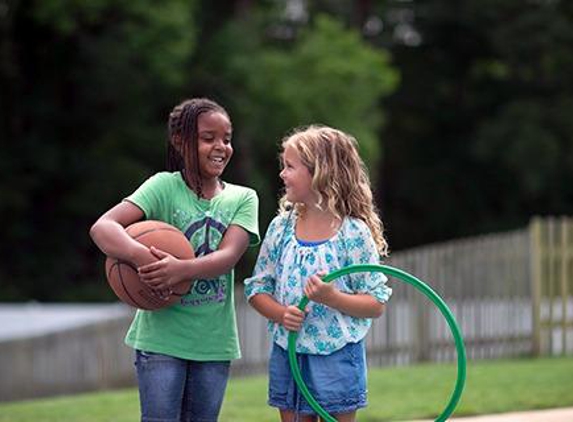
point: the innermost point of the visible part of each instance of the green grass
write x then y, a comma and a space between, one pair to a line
401, 393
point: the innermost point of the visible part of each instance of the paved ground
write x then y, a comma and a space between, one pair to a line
552, 415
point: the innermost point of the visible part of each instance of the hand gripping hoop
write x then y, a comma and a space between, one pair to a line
422, 287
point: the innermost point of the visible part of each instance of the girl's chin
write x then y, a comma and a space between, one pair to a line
213, 173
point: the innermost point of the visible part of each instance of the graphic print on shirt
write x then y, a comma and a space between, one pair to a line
205, 232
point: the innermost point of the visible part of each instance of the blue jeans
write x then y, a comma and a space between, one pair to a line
176, 390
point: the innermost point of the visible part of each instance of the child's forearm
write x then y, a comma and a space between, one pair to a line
211, 265
268, 307
113, 241
356, 305
221, 261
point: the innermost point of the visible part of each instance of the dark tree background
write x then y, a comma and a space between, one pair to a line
462, 110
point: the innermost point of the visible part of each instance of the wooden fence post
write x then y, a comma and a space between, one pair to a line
565, 257
535, 252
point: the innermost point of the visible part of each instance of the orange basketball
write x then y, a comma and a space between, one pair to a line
123, 277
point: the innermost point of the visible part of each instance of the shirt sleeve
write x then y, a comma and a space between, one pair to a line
150, 196
247, 216
263, 279
361, 249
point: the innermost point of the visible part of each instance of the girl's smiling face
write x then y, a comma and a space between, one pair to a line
214, 149
297, 178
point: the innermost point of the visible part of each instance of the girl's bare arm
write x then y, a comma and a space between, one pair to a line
109, 234
359, 305
289, 316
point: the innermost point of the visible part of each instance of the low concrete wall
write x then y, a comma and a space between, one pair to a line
90, 357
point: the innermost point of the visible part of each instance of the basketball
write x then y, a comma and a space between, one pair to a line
123, 278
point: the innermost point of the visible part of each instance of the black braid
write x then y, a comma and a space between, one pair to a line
182, 125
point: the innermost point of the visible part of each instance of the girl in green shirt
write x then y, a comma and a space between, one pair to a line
183, 351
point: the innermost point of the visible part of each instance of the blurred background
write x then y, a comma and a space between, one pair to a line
463, 111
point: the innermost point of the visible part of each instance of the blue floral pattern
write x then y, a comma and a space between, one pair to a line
284, 265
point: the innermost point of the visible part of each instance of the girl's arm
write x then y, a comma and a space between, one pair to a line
167, 271
359, 305
367, 293
289, 316
260, 288
109, 234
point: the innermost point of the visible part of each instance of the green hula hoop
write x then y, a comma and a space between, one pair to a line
426, 290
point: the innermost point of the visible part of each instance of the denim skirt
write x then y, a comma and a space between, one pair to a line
336, 381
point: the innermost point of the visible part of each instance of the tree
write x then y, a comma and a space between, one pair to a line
478, 139
325, 73
88, 88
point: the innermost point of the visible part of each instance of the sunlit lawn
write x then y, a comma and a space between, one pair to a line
395, 394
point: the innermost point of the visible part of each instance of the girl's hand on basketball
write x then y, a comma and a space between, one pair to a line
293, 318
319, 291
162, 274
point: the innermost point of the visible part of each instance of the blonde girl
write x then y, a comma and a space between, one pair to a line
327, 220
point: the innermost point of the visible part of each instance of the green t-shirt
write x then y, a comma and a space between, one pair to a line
202, 326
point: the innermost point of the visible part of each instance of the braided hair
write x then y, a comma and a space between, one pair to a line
182, 144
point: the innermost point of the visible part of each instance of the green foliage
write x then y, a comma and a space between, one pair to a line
330, 76
327, 74
529, 150
68, 16
90, 83
333, 77
465, 131
485, 131
529, 138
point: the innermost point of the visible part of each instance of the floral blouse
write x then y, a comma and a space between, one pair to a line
285, 263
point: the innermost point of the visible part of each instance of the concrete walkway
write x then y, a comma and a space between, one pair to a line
551, 415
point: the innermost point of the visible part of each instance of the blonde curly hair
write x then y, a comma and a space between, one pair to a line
339, 177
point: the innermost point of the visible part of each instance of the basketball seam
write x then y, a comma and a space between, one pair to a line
156, 229
118, 262
174, 230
